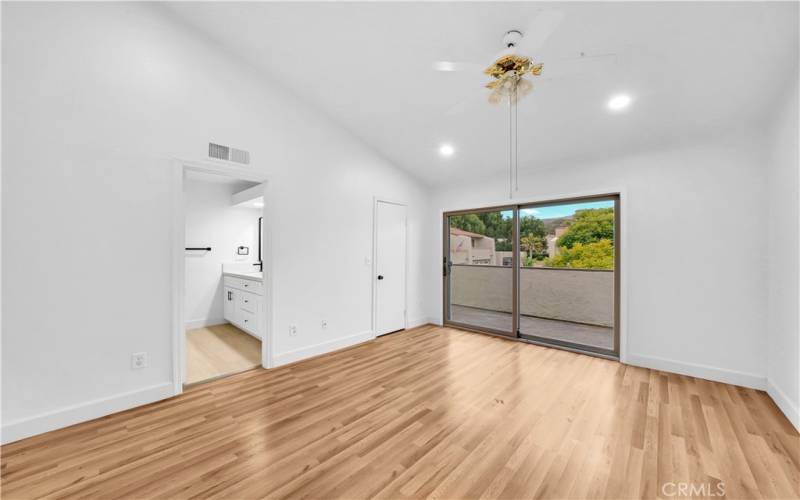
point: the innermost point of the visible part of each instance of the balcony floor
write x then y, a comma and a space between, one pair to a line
596, 336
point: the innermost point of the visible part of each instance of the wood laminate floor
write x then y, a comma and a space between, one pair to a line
219, 350
431, 412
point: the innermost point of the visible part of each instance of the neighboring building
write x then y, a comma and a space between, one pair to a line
503, 258
552, 248
471, 248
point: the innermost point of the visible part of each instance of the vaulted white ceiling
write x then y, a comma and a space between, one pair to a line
693, 70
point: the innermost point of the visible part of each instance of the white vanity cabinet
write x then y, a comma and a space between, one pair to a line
244, 303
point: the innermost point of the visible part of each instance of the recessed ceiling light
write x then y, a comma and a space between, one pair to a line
446, 150
444, 66
619, 102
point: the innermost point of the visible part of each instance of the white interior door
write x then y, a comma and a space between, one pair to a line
390, 267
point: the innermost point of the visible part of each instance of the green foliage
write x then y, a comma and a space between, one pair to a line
532, 237
469, 222
497, 226
589, 241
589, 225
503, 245
594, 255
533, 244
529, 224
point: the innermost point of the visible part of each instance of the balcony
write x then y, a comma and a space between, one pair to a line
570, 305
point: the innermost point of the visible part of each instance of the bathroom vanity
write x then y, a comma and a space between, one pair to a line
243, 301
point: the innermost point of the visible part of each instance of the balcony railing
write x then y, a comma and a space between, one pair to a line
574, 295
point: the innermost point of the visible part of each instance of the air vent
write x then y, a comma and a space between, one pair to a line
227, 153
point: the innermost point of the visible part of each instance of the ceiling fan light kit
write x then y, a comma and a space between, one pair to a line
510, 85
509, 82
508, 75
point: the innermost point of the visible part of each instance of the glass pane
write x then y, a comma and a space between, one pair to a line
480, 270
566, 279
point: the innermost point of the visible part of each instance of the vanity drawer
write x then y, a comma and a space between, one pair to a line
248, 321
244, 284
249, 302
252, 286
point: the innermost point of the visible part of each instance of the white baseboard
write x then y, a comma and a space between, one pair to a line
786, 405
70, 415
743, 379
420, 321
200, 323
317, 349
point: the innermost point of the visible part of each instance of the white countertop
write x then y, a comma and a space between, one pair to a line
247, 275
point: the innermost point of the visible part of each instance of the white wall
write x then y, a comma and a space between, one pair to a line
96, 98
212, 221
783, 186
694, 248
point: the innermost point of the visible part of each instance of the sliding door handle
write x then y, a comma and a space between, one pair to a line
380, 276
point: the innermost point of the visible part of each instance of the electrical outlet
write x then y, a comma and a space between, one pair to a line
324, 323
292, 330
139, 360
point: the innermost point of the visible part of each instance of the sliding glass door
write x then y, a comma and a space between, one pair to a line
567, 280
541, 272
479, 269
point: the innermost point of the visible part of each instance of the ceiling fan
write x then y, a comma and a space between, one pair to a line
510, 74
513, 66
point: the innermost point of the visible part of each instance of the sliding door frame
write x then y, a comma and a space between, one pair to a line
619, 348
572, 346
446, 271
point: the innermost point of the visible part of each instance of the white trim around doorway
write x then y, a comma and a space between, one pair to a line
375, 201
179, 168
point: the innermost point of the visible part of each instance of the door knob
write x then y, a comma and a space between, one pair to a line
380, 276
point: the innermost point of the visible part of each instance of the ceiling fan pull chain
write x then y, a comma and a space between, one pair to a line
516, 142
510, 149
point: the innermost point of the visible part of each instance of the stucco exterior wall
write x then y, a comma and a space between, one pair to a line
569, 294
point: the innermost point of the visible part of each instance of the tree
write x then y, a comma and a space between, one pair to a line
503, 245
589, 225
533, 244
497, 226
529, 224
469, 222
594, 255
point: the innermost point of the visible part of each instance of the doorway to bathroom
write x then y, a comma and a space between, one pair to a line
222, 305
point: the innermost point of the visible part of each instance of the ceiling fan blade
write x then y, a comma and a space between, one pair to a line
448, 66
581, 65
539, 30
